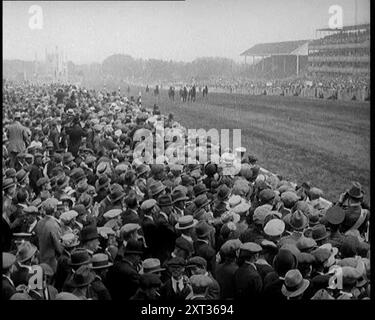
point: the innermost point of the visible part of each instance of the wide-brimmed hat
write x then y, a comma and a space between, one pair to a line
141, 169
8, 183
356, 191
202, 229
88, 233
186, 222
223, 192
156, 188
79, 257
82, 277
199, 189
21, 175
294, 284
298, 220
305, 243
165, 201
319, 232
274, 227
68, 157
100, 261
102, 182
151, 265
116, 193
25, 251
77, 174
201, 201
179, 195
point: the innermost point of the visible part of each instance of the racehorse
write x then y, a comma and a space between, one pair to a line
171, 93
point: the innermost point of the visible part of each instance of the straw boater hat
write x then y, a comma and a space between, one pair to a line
151, 265
186, 222
100, 261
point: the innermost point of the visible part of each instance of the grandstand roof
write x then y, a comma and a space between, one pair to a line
274, 48
347, 28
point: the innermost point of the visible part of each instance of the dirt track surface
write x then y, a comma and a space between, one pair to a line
321, 141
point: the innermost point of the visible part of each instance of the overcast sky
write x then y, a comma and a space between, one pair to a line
90, 31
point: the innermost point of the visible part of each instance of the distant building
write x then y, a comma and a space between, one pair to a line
340, 52
278, 59
54, 68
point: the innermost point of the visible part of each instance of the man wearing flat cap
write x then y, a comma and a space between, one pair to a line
198, 265
177, 287
247, 280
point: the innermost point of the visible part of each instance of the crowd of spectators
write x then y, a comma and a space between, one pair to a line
84, 219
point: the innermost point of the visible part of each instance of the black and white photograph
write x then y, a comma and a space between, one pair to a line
172, 152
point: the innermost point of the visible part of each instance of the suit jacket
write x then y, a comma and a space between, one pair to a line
168, 294
272, 287
205, 251
7, 290
35, 174
149, 232
225, 277
247, 283
122, 280
100, 289
6, 235
165, 240
48, 231
17, 134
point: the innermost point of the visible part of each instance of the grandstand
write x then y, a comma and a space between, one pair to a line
277, 60
340, 52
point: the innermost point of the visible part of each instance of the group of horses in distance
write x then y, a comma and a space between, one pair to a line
185, 93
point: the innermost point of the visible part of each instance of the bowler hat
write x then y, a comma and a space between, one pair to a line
89, 233
294, 284
156, 188
356, 191
77, 174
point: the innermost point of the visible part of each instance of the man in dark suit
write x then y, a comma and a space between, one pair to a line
123, 277
149, 226
131, 214
36, 172
226, 269
247, 280
177, 287
8, 288
202, 246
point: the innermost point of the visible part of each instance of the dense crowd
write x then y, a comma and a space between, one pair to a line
85, 219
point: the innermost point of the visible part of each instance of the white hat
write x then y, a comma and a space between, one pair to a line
113, 213
274, 227
68, 215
